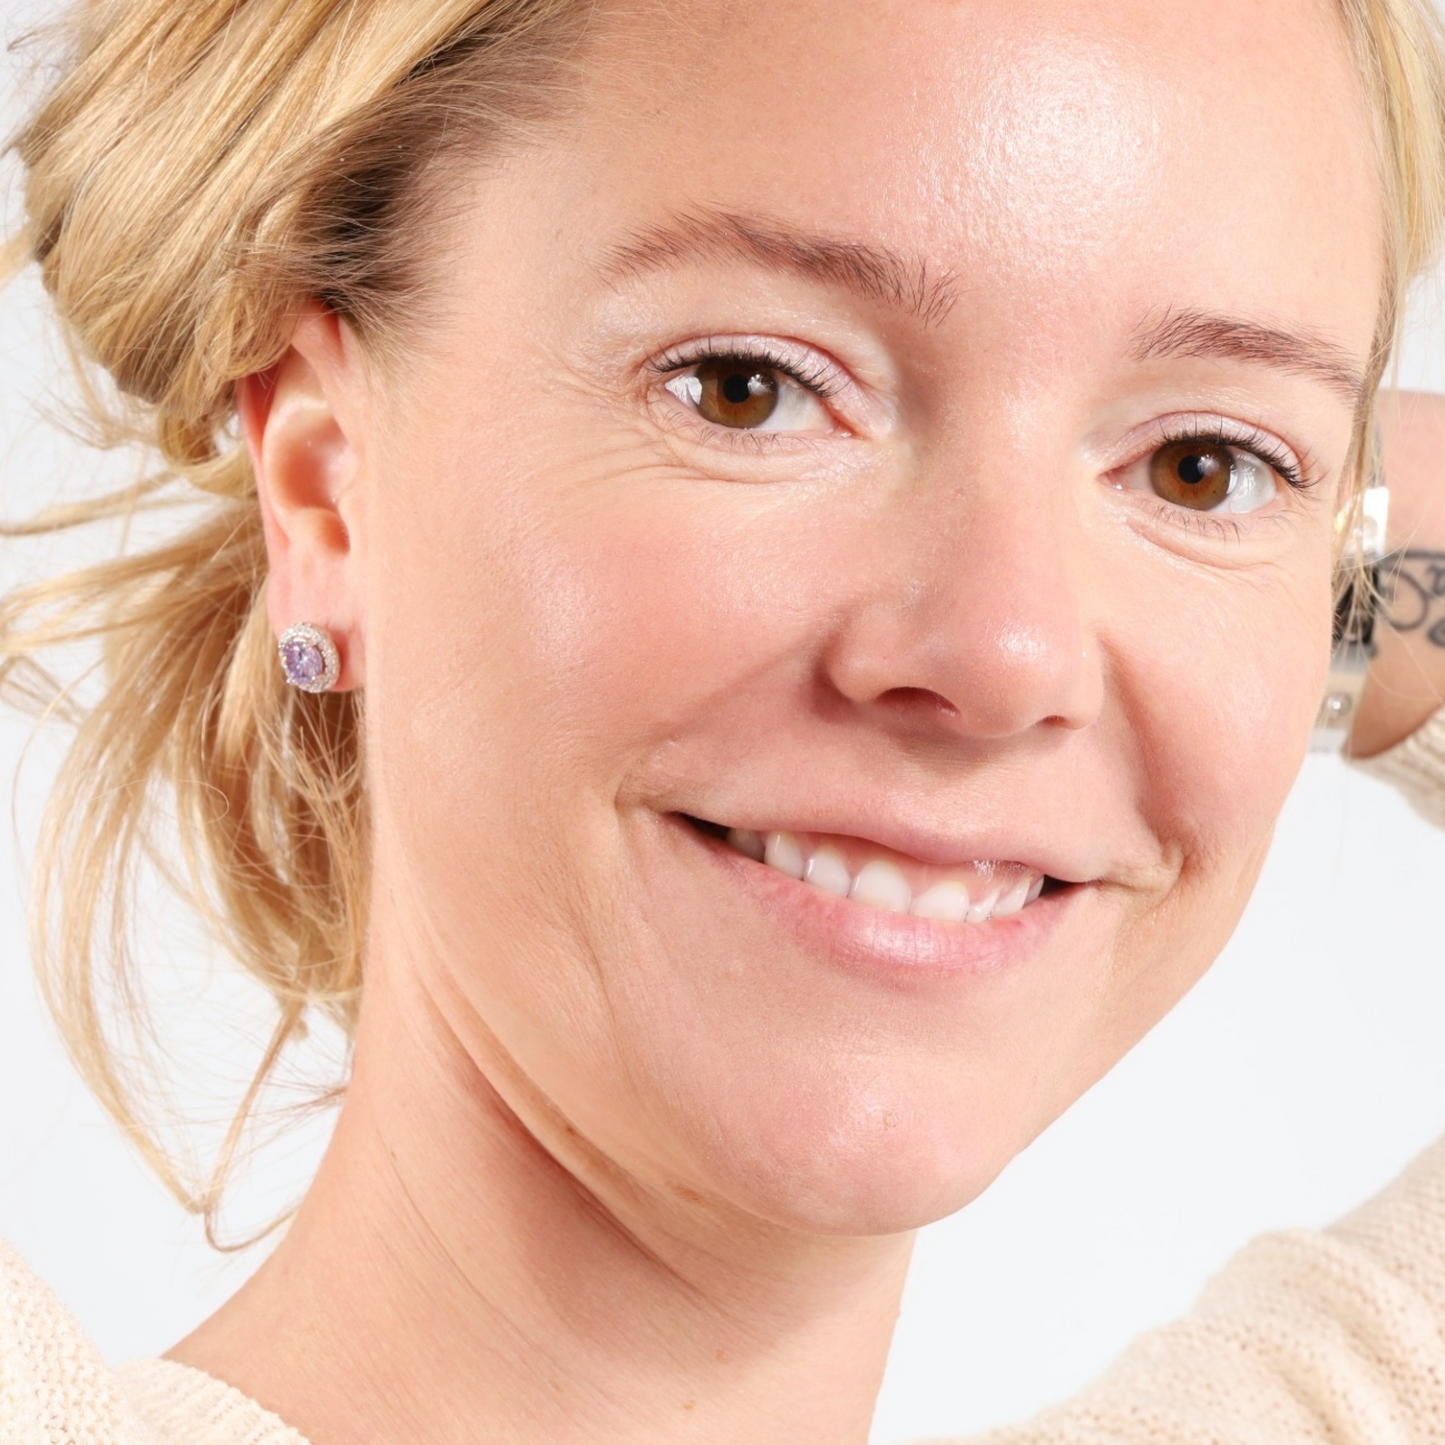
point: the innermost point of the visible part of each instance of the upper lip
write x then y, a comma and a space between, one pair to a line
957, 849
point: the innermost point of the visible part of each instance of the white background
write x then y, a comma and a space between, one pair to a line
1294, 1081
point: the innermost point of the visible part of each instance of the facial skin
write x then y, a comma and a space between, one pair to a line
947, 612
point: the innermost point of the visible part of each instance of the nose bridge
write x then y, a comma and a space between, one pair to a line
984, 597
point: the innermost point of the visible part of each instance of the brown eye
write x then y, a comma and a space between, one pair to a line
732, 391
1197, 474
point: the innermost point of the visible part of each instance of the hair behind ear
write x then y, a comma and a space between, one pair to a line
199, 170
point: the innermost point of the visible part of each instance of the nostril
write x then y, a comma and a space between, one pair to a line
918, 699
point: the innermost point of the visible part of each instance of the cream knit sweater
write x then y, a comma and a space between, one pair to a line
1335, 1337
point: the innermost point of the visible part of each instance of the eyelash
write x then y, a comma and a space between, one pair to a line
1244, 438
820, 379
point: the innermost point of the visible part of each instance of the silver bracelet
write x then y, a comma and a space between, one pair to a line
1355, 618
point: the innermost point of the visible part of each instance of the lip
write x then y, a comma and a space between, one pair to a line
874, 942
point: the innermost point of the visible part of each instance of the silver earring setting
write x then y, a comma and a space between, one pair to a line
309, 658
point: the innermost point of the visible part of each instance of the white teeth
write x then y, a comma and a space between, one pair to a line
982, 911
1013, 900
783, 853
881, 884
827, 870
748, 843
947, 900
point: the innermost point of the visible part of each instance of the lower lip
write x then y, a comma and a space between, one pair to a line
878, 942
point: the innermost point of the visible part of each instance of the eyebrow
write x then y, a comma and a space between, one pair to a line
882, 274
1192, 333
875, 272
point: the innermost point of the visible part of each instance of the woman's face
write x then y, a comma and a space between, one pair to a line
806, 440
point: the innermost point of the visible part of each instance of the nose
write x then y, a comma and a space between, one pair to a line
975, 613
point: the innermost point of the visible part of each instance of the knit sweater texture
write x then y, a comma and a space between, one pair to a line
1327, 1337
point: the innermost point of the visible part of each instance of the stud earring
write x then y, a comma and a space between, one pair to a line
308, 658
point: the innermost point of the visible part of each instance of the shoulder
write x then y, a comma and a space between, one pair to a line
1324, 1337
54, 1385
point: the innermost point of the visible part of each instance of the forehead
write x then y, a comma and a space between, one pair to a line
1209, 153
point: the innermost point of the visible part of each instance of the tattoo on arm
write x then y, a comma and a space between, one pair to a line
1413, 589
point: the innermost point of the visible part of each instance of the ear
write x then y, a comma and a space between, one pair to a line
304, 423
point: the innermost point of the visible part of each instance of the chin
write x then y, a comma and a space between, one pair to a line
892, 1193
867, 1164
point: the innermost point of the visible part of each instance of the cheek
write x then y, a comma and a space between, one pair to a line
1223, 690
611, 613
616, 619
545, 634
1233, 717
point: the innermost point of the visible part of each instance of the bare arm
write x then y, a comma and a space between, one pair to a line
1406, 681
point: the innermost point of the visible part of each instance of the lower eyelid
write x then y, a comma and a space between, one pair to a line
695, 429
1214, 521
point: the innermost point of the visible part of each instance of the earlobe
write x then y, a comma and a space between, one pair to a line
303, 422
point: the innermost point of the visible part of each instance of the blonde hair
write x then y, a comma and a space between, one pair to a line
199, 169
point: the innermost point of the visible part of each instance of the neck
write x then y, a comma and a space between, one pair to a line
456, 1274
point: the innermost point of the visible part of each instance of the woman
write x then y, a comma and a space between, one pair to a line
742, 456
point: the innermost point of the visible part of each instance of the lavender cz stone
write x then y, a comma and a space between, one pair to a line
308, 658
303, 662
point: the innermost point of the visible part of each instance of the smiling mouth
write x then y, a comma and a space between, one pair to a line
975, 892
